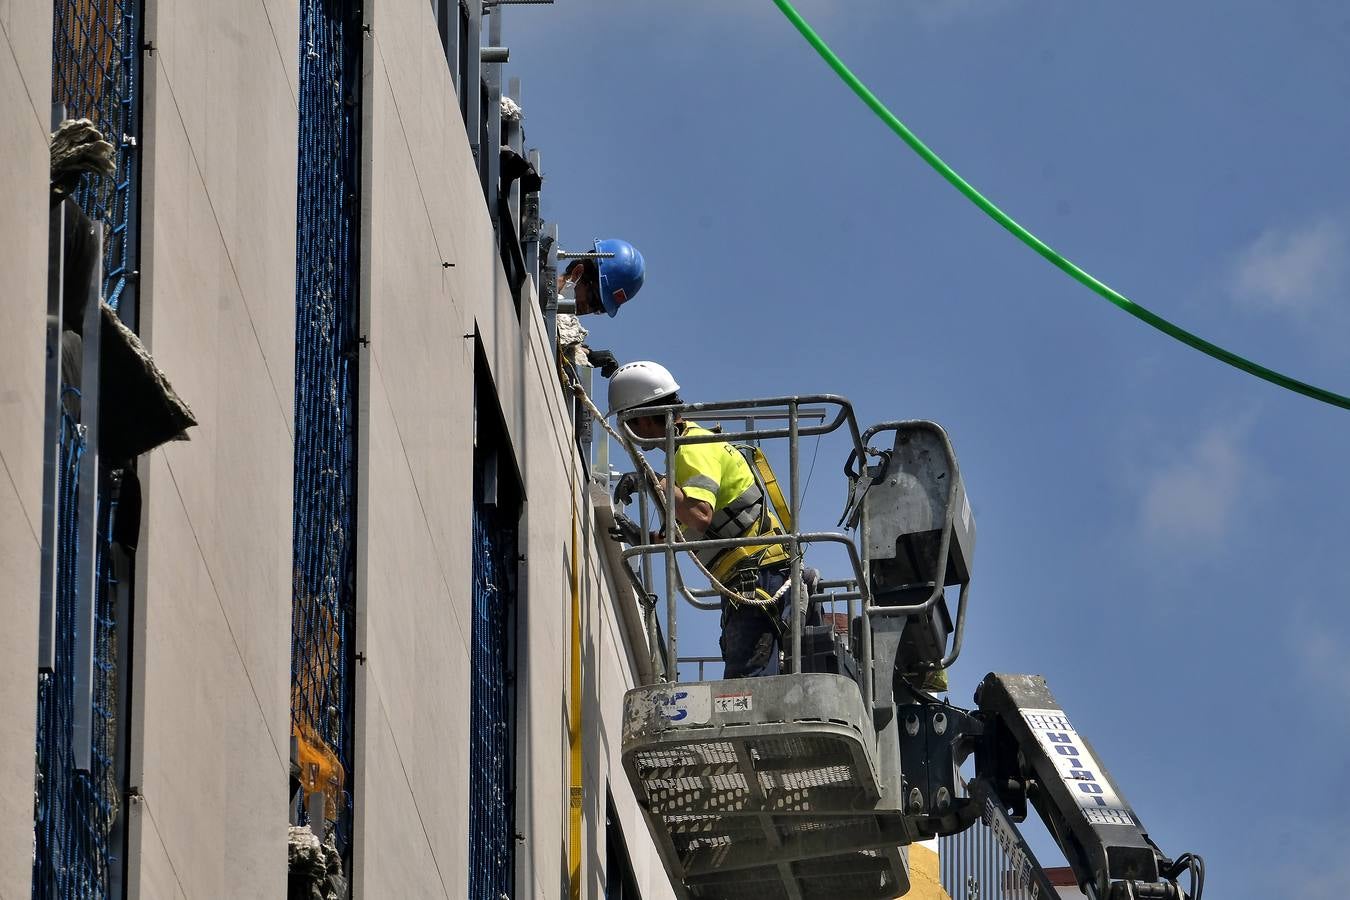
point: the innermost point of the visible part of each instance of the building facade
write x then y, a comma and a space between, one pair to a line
469, 542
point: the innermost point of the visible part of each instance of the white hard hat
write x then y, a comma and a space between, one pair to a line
637, 383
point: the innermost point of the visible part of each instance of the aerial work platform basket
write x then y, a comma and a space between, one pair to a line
764, 788
790, 786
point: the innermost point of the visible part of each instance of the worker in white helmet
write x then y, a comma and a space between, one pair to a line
717, 496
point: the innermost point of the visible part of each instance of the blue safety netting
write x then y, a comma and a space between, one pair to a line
491, 741
95, 73
326, 345
75, 811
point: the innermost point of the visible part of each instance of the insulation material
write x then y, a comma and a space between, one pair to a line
314, 867
572, 340
570, 331
78, 148
138, 408
510, 110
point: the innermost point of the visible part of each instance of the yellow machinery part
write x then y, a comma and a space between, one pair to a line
924, 880
320, 770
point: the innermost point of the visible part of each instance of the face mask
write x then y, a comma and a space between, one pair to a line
568, 293
567, 297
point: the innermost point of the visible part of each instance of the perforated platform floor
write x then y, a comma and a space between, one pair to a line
763, 788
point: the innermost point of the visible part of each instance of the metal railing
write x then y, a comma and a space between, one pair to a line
835, 414
991, 860
838, 415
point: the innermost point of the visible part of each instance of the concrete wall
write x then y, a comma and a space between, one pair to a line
210, 746
210, 722
25, 111
426, 208
608, 675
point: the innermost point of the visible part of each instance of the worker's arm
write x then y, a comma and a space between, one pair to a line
692, 513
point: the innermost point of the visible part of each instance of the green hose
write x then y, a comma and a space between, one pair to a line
1036, 243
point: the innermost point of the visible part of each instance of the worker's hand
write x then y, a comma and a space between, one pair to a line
629, 483
604, 361
625, 530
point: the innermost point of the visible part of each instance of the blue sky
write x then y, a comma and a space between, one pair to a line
1161, 536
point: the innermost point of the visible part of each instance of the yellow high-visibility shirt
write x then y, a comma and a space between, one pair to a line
715, 472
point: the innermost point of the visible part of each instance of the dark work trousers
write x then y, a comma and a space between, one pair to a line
752, 635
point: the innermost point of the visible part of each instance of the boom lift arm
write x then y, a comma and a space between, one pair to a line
1029, 750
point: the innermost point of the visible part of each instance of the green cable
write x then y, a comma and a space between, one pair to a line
1036, 243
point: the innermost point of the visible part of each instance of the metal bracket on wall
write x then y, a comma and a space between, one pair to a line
548, 282
51, 438
86, 559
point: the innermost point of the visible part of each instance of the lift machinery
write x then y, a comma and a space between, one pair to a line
813, 783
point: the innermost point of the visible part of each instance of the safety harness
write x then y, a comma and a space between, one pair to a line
745, 516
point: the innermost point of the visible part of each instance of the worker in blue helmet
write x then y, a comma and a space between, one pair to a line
597, 285
604, 285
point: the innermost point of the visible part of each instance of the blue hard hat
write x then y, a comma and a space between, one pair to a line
621, 275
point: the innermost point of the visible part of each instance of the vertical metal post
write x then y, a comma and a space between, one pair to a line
529, 227
472, 88
797, 599
51, 437
852, 612
491, 160
670, 525
600, 473
448, 32
513, 136
644, 516
987, 883
86, 566
585, 427
865, 589
981, 863
120, 563
648, 601
548, 287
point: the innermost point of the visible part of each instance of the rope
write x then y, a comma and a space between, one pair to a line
1035, 243
654, 481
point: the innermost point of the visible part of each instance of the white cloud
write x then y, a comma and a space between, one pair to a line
1322, 882
1319, 644
1191, 497
1323, 656
1297, 271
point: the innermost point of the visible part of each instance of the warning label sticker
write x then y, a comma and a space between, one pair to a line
1078, 768
732, 703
